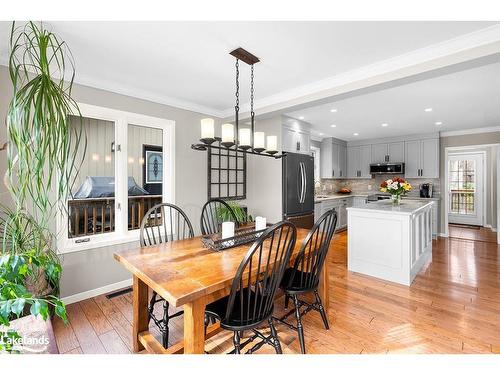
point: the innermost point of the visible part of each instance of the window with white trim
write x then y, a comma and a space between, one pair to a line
128, 167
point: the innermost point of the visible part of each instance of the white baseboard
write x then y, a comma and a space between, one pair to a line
443, 235
95, 292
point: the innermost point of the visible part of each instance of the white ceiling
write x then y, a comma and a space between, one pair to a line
187, 63
463, 100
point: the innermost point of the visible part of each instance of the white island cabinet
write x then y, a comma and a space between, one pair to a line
390, 242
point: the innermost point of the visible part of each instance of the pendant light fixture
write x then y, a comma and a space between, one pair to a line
245, 140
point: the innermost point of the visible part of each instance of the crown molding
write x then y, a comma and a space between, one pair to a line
139, 94
454, 133
463, 48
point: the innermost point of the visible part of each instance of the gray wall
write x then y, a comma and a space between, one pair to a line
475, 140
87, 270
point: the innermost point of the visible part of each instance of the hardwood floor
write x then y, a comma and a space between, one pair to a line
453, 306
474, 234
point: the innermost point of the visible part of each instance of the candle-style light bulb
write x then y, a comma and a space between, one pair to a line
227, 131
272, 144
258, 141
244, 139
207, 130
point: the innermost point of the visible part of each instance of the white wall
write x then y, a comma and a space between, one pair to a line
264, 195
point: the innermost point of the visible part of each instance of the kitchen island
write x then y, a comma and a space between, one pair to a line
390, 242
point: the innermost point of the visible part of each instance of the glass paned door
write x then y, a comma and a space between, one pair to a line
145, 170
91, 205
465, 179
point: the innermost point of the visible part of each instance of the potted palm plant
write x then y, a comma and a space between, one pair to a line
41, 167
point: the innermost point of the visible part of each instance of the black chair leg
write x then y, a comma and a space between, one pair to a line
287, 299
151, 306
322, 310
274, 334
300, 329
236, 342
166, 319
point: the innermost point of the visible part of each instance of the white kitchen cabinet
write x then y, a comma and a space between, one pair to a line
342, 212
353, 161
358, 161
388, 152
358, 201
422, 158
430, 158
342, 161
287, 139
294, 140
379, 153
326, 160
333, 159
396, 152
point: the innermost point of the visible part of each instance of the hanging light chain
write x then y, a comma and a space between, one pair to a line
251, 93
237, 84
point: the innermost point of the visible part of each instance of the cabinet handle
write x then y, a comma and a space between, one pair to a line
333, 172
298, 146
341, 173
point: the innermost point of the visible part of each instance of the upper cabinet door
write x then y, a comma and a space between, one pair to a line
353, 161
379, 153
335, 160
396, 152
288, 139
412, 159
365, 159
342, 161
326, 158
430, 158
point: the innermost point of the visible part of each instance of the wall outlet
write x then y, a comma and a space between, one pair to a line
369, 187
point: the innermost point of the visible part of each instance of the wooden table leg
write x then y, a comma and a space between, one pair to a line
194, 328
140, 309
324, 287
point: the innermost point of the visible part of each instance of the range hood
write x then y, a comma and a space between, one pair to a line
387, 168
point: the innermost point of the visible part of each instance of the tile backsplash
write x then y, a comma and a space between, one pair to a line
371, 185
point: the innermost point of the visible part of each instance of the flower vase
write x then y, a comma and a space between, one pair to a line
396, 199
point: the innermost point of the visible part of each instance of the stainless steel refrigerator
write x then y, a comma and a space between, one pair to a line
298, 189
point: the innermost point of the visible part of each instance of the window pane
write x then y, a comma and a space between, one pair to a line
145, 169
91, 204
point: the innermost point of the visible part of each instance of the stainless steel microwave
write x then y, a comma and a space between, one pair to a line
387, 168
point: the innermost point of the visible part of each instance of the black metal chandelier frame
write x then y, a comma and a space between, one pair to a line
207, 143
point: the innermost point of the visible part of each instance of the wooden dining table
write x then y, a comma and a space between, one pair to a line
188, 275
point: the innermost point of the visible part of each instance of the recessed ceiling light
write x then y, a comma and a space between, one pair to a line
356, 134
320, 133
333, 126
333, 110
439, 123
301, 117
385, 124
428, 110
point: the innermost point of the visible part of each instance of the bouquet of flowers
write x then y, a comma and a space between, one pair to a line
396, 187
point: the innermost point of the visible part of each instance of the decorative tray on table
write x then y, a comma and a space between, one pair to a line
242, 235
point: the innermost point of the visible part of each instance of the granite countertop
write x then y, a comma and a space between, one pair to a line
406, 207
326, 197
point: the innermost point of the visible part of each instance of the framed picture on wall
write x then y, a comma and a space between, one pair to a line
152, 171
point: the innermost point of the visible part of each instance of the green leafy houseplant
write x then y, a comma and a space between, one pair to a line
41, 168
239, 211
